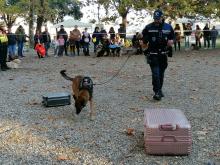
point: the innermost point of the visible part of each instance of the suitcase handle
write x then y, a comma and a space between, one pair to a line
170, 137
168, 127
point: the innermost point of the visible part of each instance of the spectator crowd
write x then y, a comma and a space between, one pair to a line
104, 43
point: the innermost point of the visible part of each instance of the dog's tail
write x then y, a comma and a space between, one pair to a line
62, 72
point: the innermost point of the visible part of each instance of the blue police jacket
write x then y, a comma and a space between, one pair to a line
157, 36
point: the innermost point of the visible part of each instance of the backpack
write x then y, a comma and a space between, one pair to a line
40, 49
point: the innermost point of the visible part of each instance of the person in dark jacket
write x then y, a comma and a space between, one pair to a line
96, 38
11, 45
103, 34
112, 33
46, 40
206, 36
65, 36
157, 38
21, 38
214, 35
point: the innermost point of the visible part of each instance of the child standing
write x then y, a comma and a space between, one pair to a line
55, 44
61, 43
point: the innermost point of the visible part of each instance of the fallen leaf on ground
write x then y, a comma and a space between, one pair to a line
193, 97
23, 91
144, 98
52, 117
136, 109
74, 149
33, 102
62, 157
130, 131
215, 154
202, 133
201, 138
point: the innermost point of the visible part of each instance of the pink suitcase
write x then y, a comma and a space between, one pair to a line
167, 132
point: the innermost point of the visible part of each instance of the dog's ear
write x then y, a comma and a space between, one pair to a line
74, 97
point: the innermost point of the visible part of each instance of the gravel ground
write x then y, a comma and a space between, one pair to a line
33, 134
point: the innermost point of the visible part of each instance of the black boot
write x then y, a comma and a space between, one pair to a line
161, 93
4, 67
157, 96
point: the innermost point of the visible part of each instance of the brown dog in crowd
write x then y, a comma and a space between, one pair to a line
82, 88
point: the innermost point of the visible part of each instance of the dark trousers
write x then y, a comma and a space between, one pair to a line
65, 47
117, 50
86, 49
206, 39
60, 50
175, 45
47, 46
158, 65
3, 54
78, 47
157, 77
214, 42
20, 48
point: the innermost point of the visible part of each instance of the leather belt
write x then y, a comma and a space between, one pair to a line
156, 53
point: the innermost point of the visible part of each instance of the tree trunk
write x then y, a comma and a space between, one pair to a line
31, 24
40, 17
124, 20
8, 20
40, 20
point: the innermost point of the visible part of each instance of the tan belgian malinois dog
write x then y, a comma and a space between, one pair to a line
82, 88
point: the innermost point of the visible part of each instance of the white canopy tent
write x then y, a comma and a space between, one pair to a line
184, 20
70, 23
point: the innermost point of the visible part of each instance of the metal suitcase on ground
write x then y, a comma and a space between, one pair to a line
167, 132
56, 99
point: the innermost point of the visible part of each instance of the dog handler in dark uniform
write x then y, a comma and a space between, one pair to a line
157, 38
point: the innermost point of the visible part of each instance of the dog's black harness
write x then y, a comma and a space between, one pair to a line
87, 84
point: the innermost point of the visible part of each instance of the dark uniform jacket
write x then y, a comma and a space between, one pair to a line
157, 36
